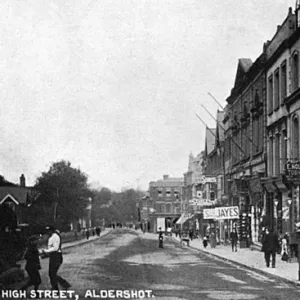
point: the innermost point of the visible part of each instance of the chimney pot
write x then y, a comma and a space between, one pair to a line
22, 181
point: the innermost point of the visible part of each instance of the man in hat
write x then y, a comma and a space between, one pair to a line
55, 258
270, 245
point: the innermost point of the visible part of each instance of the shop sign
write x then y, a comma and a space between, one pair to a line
220, 213
292, 169
206, 179
231, 212
209, 213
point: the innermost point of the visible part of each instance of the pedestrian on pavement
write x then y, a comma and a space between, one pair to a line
55, 258
33, 264
87, 234
98, 231
270, 246
205, 241
284, 248
160, 238
234, 239
213, 240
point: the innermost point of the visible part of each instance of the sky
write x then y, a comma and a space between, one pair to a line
114, 86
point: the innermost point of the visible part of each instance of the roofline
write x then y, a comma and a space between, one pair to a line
9, 195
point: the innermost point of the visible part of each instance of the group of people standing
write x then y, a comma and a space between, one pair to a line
212, 239
54, 252
94, 230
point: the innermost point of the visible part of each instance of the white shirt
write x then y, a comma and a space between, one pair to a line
53, 243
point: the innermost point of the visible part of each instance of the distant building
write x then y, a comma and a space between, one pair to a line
192, 183
18, 200
165, 196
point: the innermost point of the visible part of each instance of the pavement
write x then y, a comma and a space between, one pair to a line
85, 240
251, 259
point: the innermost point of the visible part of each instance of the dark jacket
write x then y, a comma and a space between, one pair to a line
32, 257
233, 236
270, 242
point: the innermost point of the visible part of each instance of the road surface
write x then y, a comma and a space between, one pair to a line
127, 261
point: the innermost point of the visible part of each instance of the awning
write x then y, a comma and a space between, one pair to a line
183, 218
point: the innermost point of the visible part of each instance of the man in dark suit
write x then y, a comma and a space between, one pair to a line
234, 239
270, 246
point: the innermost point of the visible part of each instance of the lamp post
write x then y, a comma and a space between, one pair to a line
290, 214
276, 215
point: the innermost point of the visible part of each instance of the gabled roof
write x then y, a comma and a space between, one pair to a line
20, 195
210, 139
245, 63
243, 67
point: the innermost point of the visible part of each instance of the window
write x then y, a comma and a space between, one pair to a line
158, 208
271, 158
159, 192
212, 196
295, 139
276, 89
283, 82
283, 150
186, 207
168, 208
277, 154
168, 193
295, 71
260, 133
270, 94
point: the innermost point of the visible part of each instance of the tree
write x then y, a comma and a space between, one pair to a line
100, 205
64, 192
115, 207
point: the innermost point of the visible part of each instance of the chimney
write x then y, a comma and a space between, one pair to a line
22, 181
165, 177
278, 27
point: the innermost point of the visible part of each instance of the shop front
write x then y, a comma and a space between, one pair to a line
218, 220
292, 177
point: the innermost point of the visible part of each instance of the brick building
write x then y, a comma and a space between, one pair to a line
165, 198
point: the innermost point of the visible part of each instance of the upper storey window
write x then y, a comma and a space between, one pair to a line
295, 142
276, 89
295, 71
270, 94
283, 82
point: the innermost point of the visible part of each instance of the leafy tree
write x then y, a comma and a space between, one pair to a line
64, 192
115, 207
100, 204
